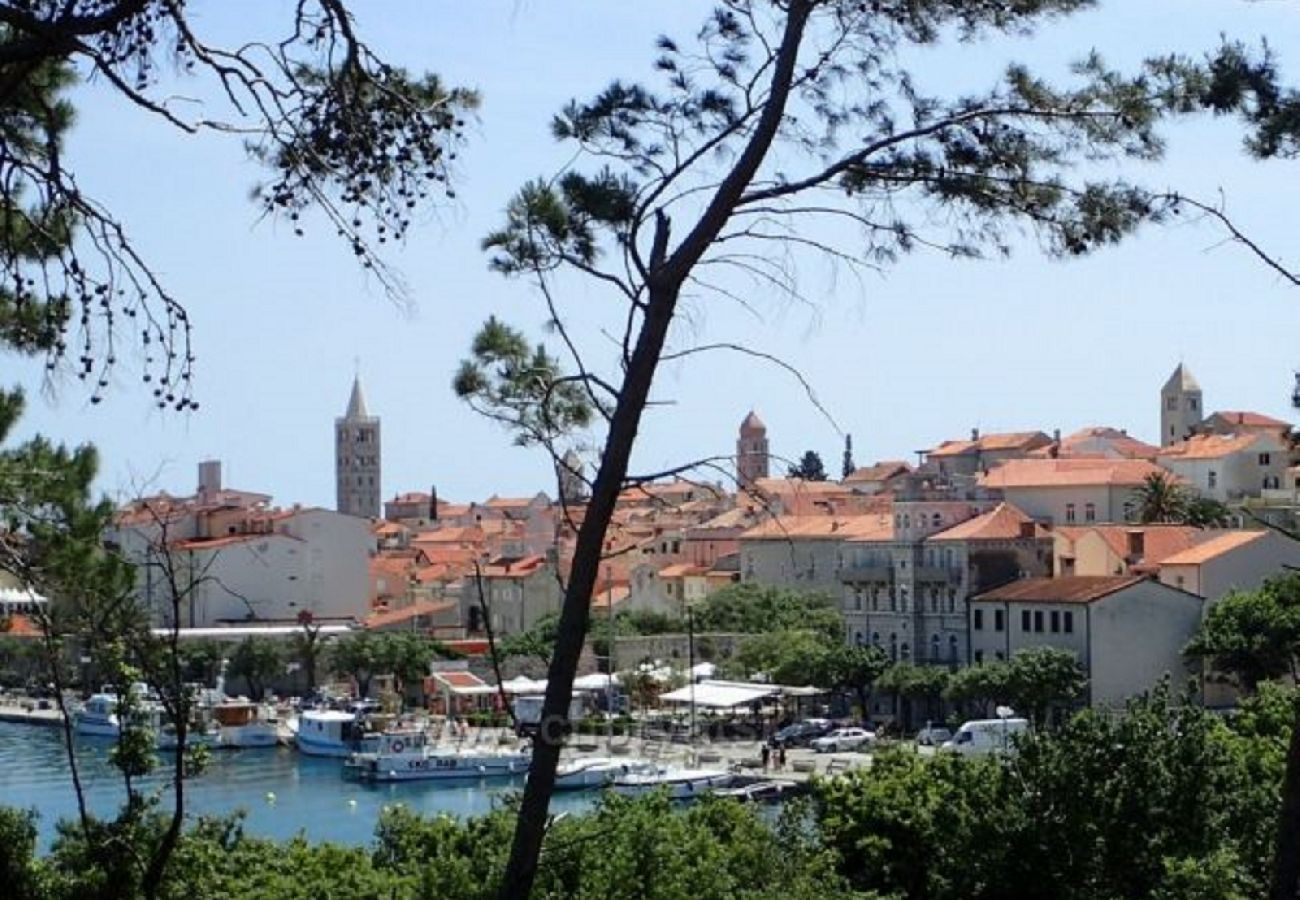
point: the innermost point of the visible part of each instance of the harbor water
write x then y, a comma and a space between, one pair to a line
281, 792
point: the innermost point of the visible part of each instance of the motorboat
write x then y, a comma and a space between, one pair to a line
405, 754
596, 772
99, 716
681, 784
758, 790
242, 724
329, 732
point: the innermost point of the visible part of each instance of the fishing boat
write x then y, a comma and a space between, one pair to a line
681, 784
406, 755
328, 732
596, 772
99, 716
243, 724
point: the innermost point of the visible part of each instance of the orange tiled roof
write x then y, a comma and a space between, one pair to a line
787, 528
878, 472
1158, 540
458, 679
1069, 589
682, 570
407, 613
1121, 443
1224, 542
1011, 440
228, 540
1032, 473
1210, 446
1250, 419
999, 524
21, 626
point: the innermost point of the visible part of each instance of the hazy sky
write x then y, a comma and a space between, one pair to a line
903, 360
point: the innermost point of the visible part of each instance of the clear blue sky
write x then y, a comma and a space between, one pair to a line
902, 361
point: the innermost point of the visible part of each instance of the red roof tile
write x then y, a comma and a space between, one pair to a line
1070, 589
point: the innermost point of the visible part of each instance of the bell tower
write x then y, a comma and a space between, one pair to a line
751, 451
357, 458
1181, 409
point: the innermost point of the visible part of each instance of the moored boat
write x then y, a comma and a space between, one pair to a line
328, 732
681, 784
406, 755
596, 772
243, 724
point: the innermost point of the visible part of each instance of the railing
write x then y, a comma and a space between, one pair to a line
868, 572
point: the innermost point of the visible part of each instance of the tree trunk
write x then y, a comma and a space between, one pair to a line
667, 274
1286, 854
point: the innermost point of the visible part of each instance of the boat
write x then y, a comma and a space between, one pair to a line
243, 724
406, 755
596, 772
98, 716
681, 784
329, 732
758, 790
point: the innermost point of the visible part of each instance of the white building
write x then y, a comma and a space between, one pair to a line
1071, 491
1128, 631
1229, 467
236, 559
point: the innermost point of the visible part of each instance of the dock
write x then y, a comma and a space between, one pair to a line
27, 713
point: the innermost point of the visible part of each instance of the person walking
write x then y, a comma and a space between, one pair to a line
766, 754
780, 758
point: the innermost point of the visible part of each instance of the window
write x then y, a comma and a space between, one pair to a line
1069, 512
997, 620
1069, 622
979, 619
937, 520
1090, 512
905, 652
998, 656
1264, 459
1056, 621
893, 600
952, 600
857, 638
875, 638
979, 656
1038, 621
1171, 404
1024, 620
1128, 511
934, 648
1213, 479
952, 648
893, 647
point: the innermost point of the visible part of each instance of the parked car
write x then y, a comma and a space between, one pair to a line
983, 736
800, 734
933, 736
844, 739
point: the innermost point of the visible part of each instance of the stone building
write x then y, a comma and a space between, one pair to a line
357, 455
752, 459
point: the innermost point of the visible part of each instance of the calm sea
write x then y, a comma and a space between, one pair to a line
281, 792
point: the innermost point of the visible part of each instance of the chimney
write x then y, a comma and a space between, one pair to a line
210, 477
433, 503
1137, 544
974, 434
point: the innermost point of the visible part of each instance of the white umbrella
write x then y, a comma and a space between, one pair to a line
596, 681
523, 685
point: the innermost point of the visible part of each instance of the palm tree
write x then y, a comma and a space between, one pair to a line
1161, 498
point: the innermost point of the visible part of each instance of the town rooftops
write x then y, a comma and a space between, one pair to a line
1158, 541
1113, 439
1033, 473
388, 618
1216, 546
1248, 419
1210, 446
1011, 440
794, 528
1005, 522
1069, 589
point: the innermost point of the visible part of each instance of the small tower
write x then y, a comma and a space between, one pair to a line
1180, 406
573, 483
357, 458
751, 451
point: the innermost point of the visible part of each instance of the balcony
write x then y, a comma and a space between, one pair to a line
944, 574
878, 572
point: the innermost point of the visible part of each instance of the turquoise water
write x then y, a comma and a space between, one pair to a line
310, 795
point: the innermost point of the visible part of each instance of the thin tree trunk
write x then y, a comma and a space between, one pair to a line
1286, 854
667, 274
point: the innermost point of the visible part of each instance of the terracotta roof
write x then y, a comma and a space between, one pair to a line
797, 486
1250, 419
732, 518
878, 472
1224, 542
786, 528
520, 567
229, 540
1011, 440
953, 448
1116, 440
407, 613
752, 423
999, 524
458, 679
21, 626
1210, 446
1032, 473
1070, 589
603, 596
681, 570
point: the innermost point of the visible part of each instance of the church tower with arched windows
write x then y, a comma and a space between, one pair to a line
751, 451
1181, 408
357, 458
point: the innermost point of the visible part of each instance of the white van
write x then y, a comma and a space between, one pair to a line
981, 736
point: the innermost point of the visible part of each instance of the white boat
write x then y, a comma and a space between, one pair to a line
596, 772
242, 724
98, 716
328, 732
681, 784
406, 755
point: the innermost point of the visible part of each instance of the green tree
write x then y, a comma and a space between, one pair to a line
201, 661
407, 657
257, 660
1253, 636
711, 169
537, 643
791, 656
751, 608
923, 685
853, 668
1041, 677
1161, 498
809, 467
358, 656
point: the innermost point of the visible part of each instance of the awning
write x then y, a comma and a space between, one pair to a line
523, 685
721, 695
596, 681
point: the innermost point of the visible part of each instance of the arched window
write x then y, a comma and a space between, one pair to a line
875, 638
893, 647
952, 648
857, 639
937, 520
905, 652
934, 648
